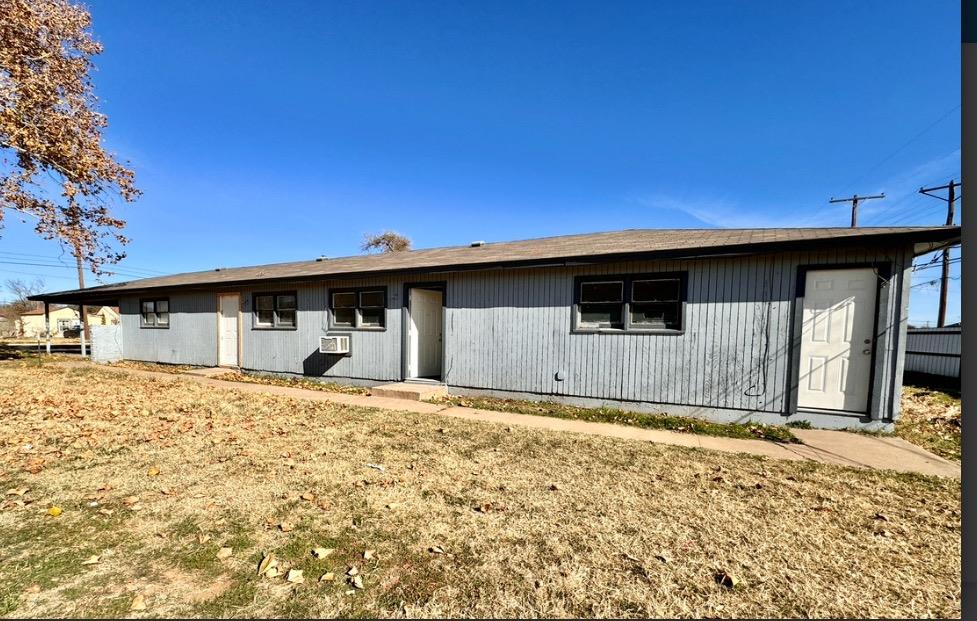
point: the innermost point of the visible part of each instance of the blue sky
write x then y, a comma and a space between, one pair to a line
276, 131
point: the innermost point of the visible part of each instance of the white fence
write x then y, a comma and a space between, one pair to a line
934, 351
106, 343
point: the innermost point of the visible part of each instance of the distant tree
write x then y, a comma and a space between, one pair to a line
52, 163
387, 241
21, 290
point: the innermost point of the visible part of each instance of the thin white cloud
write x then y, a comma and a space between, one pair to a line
901, 190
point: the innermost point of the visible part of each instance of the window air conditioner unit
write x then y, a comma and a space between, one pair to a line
334, 344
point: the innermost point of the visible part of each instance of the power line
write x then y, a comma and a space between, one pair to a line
62, 266
904, 145
945, 278
127, 267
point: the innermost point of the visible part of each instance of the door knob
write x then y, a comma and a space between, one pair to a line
866, 351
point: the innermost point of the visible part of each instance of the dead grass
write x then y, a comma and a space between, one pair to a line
683, 424
291, 382
931, 419
531, 523
159, 367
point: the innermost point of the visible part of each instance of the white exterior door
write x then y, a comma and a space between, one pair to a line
424, 334
836, 339
227, 337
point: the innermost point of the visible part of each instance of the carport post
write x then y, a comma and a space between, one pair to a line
47, 327
81, 311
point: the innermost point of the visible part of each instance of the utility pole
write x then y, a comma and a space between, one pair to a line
945, 280
854, 200
85, 336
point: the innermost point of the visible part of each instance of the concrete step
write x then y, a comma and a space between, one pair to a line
409, 390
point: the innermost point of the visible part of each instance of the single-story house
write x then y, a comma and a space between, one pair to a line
769, 325
63, 317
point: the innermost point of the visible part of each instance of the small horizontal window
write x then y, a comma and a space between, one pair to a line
154, 313
275, 310
358, 309
630, 303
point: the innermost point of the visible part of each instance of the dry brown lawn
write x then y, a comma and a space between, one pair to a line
155, 476
931, 419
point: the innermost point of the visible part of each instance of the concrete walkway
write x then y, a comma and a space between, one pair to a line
829, 447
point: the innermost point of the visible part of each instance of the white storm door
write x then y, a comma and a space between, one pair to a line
424, 334
836, 339
227, 337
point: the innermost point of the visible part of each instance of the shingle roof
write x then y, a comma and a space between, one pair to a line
635, 243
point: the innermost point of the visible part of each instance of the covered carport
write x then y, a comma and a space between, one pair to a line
79, 297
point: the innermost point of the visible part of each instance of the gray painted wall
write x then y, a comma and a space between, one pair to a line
509, 330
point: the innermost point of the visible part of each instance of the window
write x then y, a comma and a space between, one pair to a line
275, 311
358, 309
630, 303
155, 313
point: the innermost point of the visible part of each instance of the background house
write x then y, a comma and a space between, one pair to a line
64, 317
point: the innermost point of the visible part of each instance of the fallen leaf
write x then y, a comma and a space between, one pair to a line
18, 491
224, 553
726, 579
377, 467
327, 577
265, 563
357, 582
295, 576
34, 588
307, 496
54, 511
138, 603
436, 550
368, 554
153, 472
352, 571
92, 560
881, 516
285, 527
322, 552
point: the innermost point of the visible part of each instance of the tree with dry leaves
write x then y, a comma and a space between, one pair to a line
387, 241
53, 167
12, 311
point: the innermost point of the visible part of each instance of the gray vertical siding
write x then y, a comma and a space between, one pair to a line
190, 339
510, 330
934, 351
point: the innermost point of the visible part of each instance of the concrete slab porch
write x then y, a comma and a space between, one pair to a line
409, 390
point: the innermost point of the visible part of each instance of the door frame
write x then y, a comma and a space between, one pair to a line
883, 272
434, 285
240, 326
